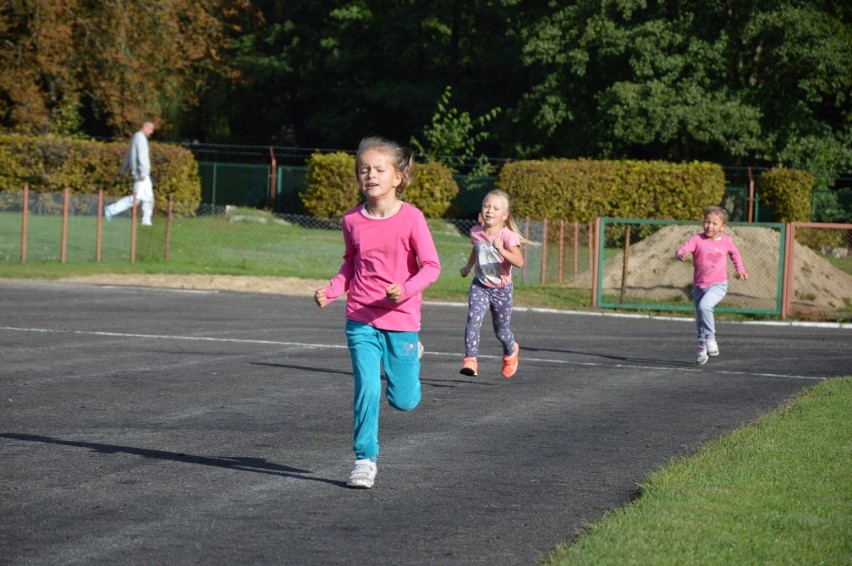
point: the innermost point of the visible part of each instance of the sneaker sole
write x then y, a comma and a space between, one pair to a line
468, 372
360, 485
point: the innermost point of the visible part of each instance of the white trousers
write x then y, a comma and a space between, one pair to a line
144, 192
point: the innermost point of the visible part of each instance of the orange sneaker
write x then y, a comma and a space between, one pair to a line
510, 363
469, 367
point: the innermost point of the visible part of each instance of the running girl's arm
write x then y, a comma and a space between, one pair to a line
687, 248
471, 260
737, 260
513, 255
339, 284
427, 256
510, 248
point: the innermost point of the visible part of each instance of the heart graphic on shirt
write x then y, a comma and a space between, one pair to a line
714, 257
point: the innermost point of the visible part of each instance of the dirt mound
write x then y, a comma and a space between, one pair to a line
654, 274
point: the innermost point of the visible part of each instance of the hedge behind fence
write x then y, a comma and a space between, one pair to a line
51, 164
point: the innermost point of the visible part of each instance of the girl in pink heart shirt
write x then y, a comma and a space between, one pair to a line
710, 275
389, 260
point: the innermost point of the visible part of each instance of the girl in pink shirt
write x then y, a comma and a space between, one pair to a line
710, 275
389, 259
496, 249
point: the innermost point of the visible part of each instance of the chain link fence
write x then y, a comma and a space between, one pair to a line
635, 258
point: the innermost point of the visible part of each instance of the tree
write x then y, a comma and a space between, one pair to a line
82, 64
38, 90
721, 80
452, 136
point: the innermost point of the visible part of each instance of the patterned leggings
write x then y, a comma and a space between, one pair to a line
499, 301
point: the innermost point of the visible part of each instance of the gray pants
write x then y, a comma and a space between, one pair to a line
705, 301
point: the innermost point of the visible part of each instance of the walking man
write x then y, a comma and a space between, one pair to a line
137, 162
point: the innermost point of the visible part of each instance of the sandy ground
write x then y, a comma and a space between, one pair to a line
244, 283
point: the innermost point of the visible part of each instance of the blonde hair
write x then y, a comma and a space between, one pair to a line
401, 157
718, 211
510, 220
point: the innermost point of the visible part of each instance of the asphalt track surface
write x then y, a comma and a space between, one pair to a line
152, 426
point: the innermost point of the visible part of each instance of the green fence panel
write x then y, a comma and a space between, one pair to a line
239, 184
645, 275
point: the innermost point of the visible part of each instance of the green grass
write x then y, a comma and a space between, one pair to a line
212, 245
776, 492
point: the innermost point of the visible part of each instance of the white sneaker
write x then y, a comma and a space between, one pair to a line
712, 348
363, 475
420, 350
701, 357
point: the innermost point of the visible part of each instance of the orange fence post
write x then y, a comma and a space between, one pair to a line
273, 180
544, 252
524, 271
169, 226
593, 245
576, 249
64, 238
99, 226
24, 220
133, 231
561, 249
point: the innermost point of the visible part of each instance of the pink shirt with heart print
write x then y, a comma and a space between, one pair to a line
708, 259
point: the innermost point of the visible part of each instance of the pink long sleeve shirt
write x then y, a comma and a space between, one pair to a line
379, 252
708, 259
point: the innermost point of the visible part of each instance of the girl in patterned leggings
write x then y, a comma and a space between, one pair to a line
496, 249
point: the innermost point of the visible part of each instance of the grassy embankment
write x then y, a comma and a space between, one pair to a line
778, 491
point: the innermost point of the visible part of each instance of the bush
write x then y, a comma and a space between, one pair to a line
581, 190
332, 188
787, 193
432, 190
49, 164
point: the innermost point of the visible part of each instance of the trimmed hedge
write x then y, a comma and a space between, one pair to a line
582, 190
787, 193
333, 188
50, 164
432, 190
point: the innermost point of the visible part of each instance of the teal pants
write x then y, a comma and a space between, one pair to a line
372, 349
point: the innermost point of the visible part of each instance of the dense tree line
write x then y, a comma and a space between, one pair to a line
731, 81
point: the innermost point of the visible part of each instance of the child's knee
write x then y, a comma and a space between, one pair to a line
404, 402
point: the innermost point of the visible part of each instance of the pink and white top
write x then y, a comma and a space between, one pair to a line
379, 252
492, 269
708, 259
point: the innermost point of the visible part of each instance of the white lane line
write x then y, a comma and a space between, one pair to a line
172, 337
431, 353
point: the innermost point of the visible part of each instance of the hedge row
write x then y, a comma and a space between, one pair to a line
558, 189
333, 188
51, 164
788, 193
581, 190
569, 189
